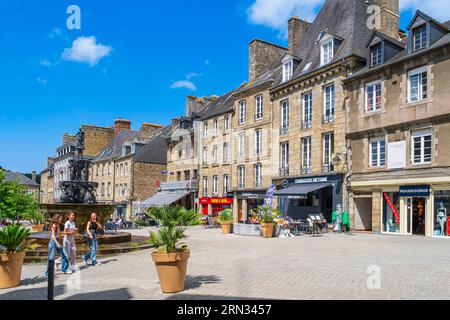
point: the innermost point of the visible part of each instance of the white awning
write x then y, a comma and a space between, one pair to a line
163, 199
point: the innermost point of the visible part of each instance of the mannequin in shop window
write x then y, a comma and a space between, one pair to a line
442, 217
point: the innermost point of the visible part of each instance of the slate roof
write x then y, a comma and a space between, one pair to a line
155, 151
345, 19
114, 149
20, 178
218, 106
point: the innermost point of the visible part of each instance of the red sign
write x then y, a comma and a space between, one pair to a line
220, 201
391, 205
448, 226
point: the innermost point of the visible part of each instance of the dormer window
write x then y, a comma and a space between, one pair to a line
288, 67
375, 55
419, 37
326, 52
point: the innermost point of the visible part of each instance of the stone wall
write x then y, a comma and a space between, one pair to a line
96, 139
262, 56
145, 176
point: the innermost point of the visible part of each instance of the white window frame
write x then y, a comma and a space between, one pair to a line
215, 154
423, 36
306, 152
215, 127
378, 55
327, 143
418, 72
326, 51
258, 142
226, 183
241, 177
307, 102
378, 163
241, 145
288, 67
215, 185
205, 155
205, 129
259, 107
242, 111
285, 114
284, 155
421, 134
258, 175
332, 101
227, 122
226, 152
205, 185
376, 107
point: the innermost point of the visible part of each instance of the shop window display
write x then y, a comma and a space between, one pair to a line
441, 213
391, 212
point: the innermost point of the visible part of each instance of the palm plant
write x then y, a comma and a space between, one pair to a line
13, 239
226, 216
173, 221
267, 214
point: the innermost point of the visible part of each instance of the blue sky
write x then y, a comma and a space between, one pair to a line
147, 56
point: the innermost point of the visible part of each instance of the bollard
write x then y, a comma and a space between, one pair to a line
51, 280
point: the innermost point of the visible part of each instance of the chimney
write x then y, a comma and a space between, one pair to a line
50, 161
67, 138
297, 29
33, 176
121, 125
149, 129
175, 122
390, 17
263, 56
196, 104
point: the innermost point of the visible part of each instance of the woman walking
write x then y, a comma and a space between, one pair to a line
91, 236
70, 230
54, 245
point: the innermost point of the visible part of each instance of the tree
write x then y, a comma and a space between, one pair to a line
15, 202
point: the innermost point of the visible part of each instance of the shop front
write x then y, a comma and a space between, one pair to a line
213, 206
408, 209
246, 202
300, 197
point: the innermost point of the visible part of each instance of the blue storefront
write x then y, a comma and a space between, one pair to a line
300, 197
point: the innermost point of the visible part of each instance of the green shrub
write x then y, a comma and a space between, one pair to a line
13, 239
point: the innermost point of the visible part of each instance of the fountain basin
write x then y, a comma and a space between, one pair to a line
110, 237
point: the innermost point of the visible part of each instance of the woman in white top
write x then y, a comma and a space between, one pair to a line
70, 230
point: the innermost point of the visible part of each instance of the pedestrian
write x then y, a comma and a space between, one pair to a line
54, 245
70, 230
91, 236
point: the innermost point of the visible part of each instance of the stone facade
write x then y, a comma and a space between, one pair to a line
96, 139
262, 56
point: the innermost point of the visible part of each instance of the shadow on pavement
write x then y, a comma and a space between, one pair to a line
195, 282
34, 280
117, 294
31, 294
205, 297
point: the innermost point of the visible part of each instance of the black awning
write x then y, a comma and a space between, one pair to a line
302, 189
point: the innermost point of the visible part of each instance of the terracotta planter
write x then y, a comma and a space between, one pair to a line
267, 229
226, 227
37, 227
10, 269
171, 268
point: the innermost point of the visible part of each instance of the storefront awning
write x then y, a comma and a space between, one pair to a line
302, 189
163, 199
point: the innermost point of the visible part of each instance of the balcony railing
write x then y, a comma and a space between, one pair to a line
180, 185
284, 171
284, 130
327, 168
306, 170
327, 118
307, 124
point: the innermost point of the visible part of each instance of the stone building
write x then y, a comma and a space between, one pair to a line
31, 185
128, 169
399, 132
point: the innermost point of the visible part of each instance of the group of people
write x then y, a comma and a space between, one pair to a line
67, 250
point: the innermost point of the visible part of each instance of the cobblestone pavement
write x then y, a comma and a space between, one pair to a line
232, 267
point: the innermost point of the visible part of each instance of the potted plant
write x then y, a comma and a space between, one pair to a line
226, 220
37, 220
267, 217
13, 243
171, 255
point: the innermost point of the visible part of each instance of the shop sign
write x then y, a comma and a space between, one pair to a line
298, 197
311, 180
221, 201
414, 191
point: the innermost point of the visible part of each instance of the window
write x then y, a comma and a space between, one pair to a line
329, 103
216, 127
377, 153
307, 110
205, 129
227, 121
284, 158
241, 177
205, 155
288, 67
442, 212
419, 38
121, 169
215, 154
306, 155
103, 189
258, 142
421, 147
97, 170
215, 185
117, 170
391, 212
117, 189
109, 189
103, 170
284, 117
417, 85
375, 55
259, 107
226, 183
109, 169
226, 152
373, 96
258, 175
125, 190
328, 145
326, 52
241, 151
126, 169
242, 112
205, 185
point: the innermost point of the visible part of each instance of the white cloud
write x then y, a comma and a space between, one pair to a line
41, 81
86, 50
183, 84
54, 33
435, 8
276, 13
45, 63
193, 75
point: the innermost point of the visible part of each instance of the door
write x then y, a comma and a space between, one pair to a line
415, 214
